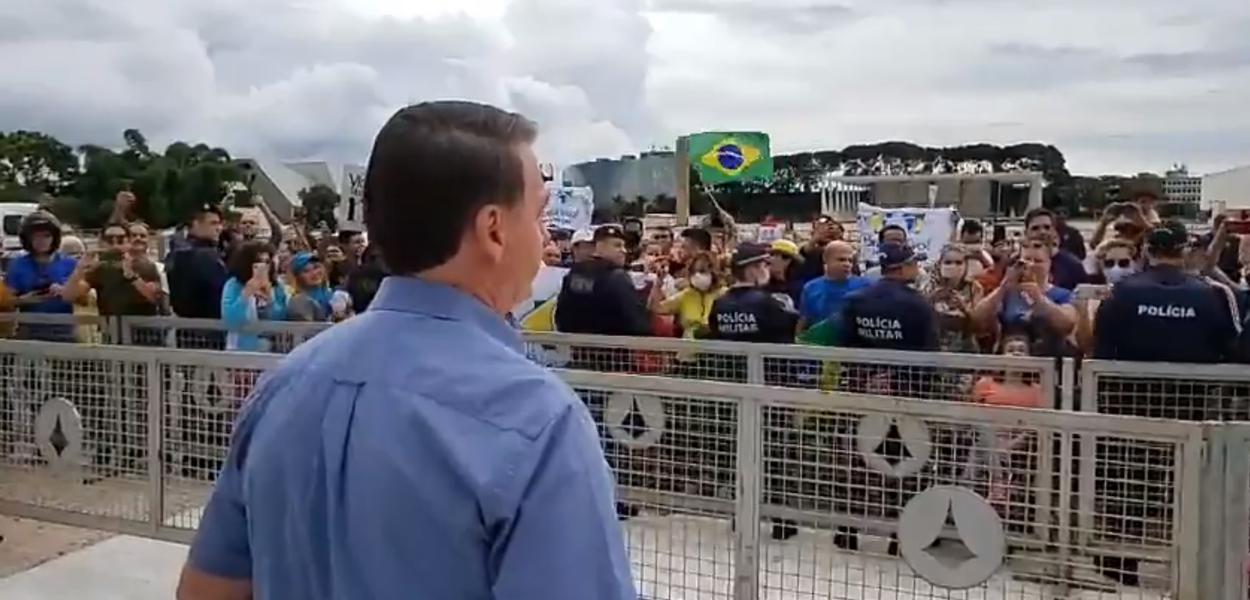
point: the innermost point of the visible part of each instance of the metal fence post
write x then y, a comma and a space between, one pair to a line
747, 501
155, 445
124, 332
1222, 514
755, 367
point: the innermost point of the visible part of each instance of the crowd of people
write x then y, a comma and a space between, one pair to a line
225, 272
1142, 289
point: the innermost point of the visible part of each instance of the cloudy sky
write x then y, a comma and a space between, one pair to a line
1118, 85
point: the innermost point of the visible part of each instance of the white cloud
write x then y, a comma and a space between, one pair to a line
1119, 85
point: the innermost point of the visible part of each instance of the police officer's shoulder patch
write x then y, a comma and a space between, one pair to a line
786, 302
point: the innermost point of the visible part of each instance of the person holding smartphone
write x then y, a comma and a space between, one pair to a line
251, 295
1028, 300
125, 285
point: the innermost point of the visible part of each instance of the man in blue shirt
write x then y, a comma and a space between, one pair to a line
824, 298
379, 460
39, 276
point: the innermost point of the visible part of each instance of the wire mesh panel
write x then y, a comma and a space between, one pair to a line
921, 375
674, 457
1130, 477
711, 361
201, 395
868, 497
74, 431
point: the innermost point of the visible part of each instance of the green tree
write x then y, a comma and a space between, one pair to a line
319, 202
36, 162
169, 186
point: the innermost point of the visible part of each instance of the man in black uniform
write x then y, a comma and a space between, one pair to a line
748, 312
887, 315
1162, 314
598, 296
890, 314
1159, 315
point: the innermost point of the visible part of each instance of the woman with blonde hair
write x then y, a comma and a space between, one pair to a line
703, 284
1114, 261
952, 293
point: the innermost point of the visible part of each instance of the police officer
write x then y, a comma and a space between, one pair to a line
748, 312
1163, 314
889, 314
1159, 315
598, 296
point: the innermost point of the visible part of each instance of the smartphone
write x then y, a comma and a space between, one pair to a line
260, 270
1000, 234
111, 256
1087, 291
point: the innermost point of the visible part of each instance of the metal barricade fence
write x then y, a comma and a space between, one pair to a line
277, 337
1178, 392
69, 328
874, 497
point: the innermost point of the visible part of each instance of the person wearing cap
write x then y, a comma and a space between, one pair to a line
1029, 300
197, 274
582, 246
598, 296
310, 300
891, 233
825, 229
37, 277
748, 311
890, 314
1163, 314
784, 261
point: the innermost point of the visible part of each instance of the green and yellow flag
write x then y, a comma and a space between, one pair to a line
723, 157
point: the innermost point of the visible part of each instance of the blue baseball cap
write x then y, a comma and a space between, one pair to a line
897, 255
302, 261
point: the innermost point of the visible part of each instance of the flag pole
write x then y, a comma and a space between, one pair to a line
682, 172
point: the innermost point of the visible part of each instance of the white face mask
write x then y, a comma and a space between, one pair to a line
701, 281
951, 271
1117, 274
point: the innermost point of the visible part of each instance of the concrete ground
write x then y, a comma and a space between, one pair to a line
30, 543
80, 569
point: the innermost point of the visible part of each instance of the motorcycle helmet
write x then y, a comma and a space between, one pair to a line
40, 220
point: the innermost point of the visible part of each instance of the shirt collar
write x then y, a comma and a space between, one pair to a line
415, 295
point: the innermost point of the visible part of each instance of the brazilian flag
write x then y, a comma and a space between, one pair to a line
724, 157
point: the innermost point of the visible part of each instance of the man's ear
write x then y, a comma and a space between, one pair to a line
488, 231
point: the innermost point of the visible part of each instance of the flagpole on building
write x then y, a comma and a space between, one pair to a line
682, 172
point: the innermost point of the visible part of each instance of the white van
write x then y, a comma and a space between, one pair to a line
11, 215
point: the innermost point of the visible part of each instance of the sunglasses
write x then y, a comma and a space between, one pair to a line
114, 238
1123, 263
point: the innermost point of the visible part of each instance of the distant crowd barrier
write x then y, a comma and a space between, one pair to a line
744, 471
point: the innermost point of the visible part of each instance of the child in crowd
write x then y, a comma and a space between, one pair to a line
1011, 389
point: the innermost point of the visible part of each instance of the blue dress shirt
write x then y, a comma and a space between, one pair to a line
414, 452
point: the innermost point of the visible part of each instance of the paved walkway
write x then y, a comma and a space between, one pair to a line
120, 568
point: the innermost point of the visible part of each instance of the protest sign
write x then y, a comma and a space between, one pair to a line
350, 212
569, 208
928, 229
